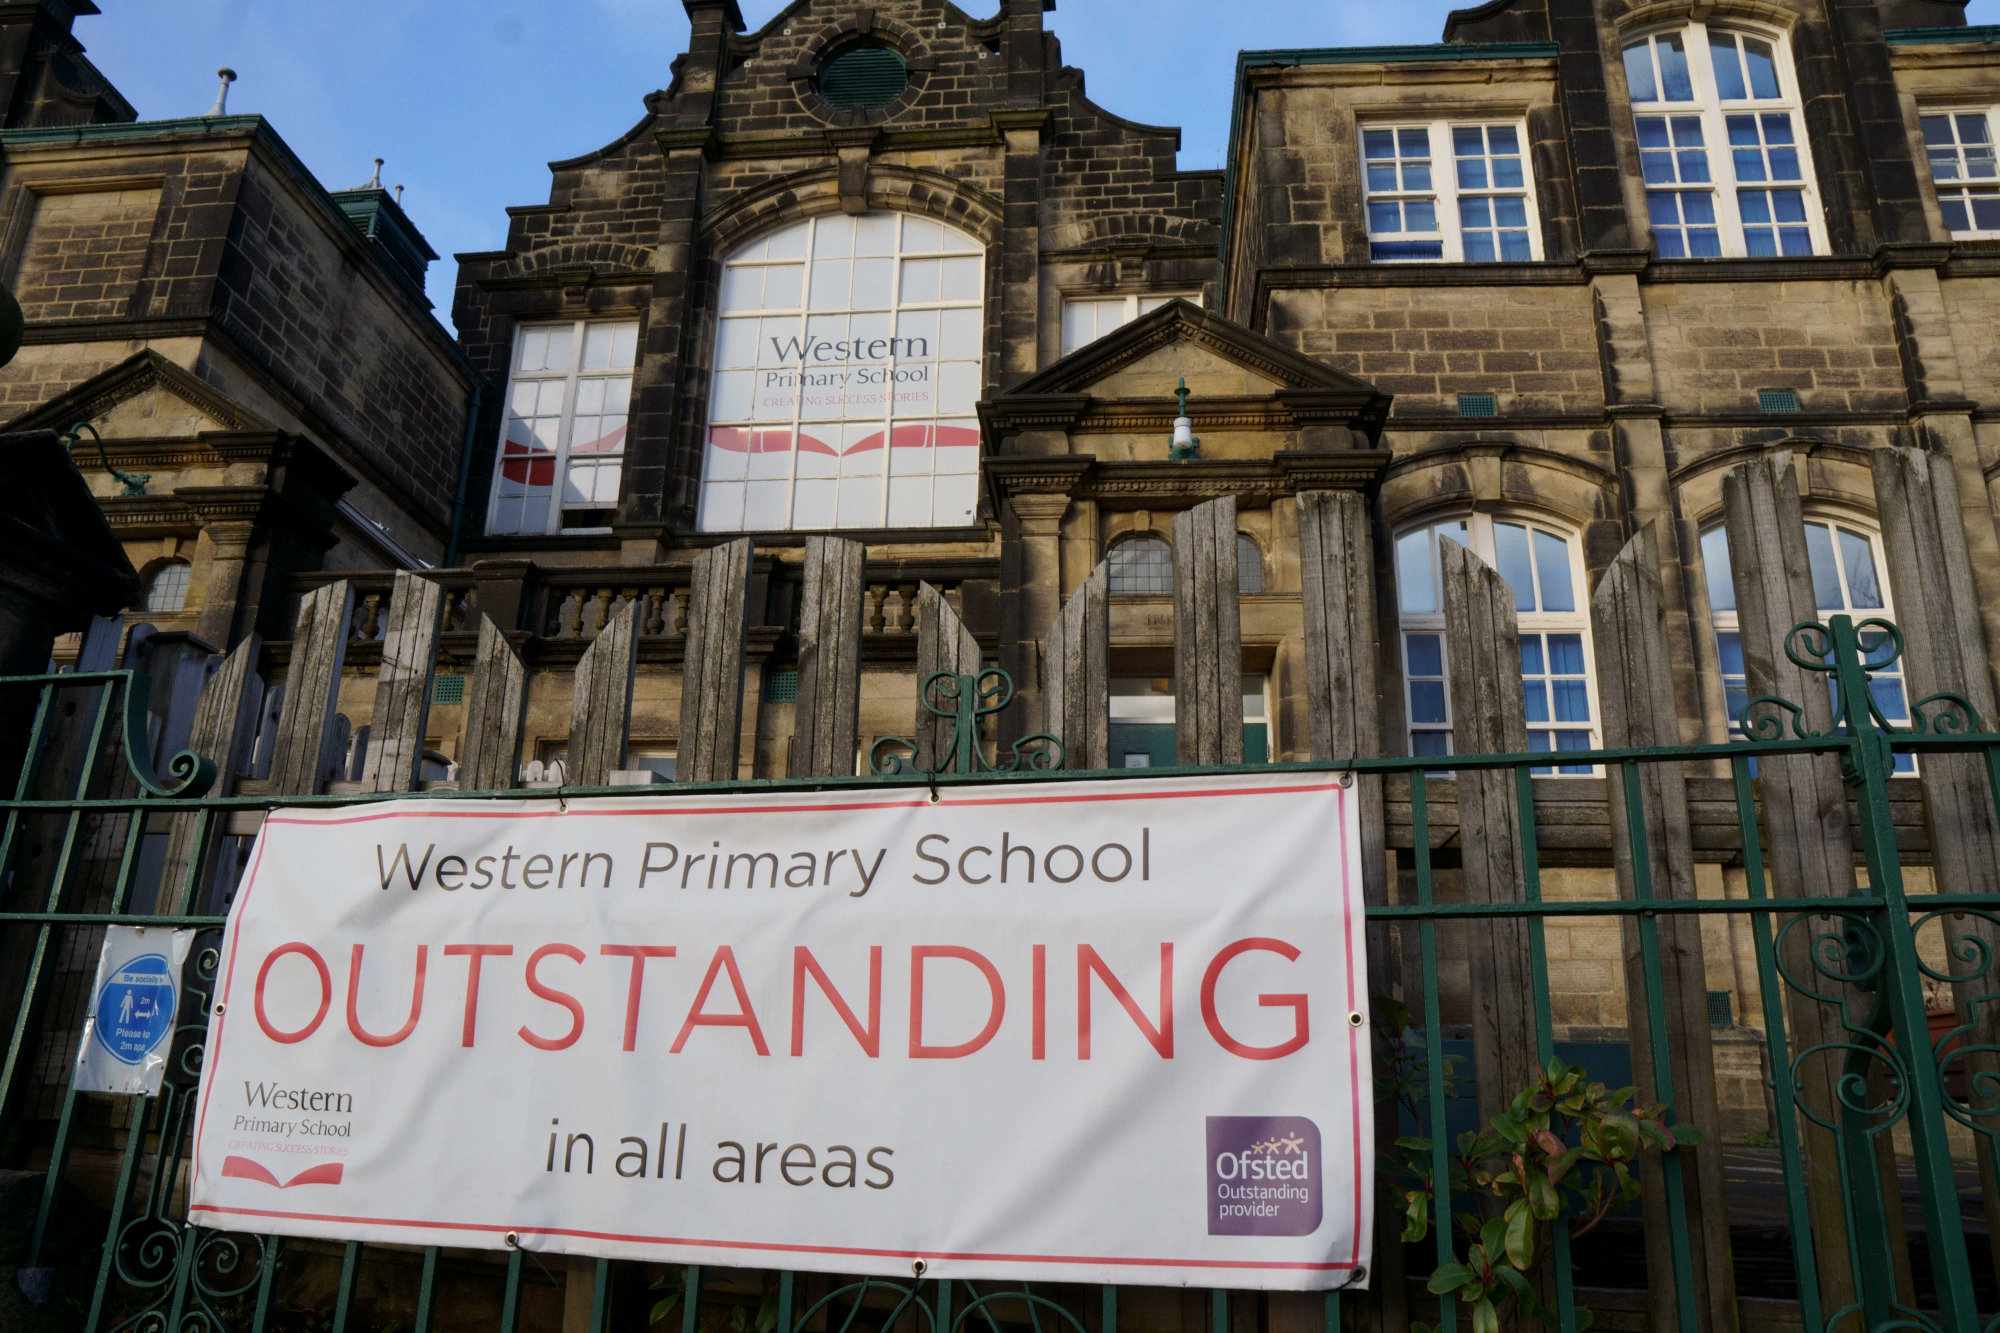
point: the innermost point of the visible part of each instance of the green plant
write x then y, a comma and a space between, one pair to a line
1565, 1148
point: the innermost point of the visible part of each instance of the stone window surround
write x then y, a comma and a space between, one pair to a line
1959, 107
1439, 124
1766, 22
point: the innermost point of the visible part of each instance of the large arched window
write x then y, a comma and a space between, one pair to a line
1846, 560
847, 366
1544, 567
1722, 145
167, 588
1140, 566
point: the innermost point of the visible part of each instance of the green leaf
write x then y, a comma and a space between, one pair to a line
1687, 1136
1485, 1318
1520, 1234
1493, 1236
1414, 1144
1517, 1282
1448, 1278
1543, 1201
1417, 1221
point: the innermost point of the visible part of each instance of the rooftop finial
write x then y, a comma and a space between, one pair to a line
399, 196
221, 107
375, 181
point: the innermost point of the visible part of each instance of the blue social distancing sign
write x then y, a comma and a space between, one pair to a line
129, 1031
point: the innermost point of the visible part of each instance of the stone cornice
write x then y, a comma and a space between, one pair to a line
1128, 484
133, 516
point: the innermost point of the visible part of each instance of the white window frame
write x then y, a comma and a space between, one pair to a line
1445, 189
182, 574
1727, 621
1134, 539
571, 379
1131, 306
1964, 184
896, 305
1480, 541
1714, 113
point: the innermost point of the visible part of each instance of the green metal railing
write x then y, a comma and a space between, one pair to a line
110, 1241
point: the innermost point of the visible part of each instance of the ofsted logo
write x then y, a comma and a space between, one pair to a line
1263, 1176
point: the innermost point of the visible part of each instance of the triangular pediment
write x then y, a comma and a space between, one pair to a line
1134, 372
145, 397
1181, 336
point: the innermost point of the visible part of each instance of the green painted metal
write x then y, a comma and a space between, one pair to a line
154, 1270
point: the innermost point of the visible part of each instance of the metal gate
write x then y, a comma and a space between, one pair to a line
90, 830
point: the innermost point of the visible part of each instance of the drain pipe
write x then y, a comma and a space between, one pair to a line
451, 550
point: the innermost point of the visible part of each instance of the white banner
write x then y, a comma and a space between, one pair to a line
1079, 1031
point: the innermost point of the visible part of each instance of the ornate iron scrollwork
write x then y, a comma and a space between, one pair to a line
964, 700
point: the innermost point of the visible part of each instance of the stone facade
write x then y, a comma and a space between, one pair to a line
1589, 389
257, 349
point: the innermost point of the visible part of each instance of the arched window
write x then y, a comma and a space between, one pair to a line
1722, 145
1140, 566
1249, 564
1544, 567
166, 588
847, 367
1846, 562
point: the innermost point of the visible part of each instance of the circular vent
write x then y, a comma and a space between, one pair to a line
863, 77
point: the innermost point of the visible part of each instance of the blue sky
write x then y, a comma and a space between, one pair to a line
468, 100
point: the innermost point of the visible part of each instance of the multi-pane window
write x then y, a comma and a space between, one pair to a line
167, 588
1544, 569
1845, 562
562, 447
1140, 567
1959, 145
1085, 319
1249, 564
847, 368
1443, 191
1721, 145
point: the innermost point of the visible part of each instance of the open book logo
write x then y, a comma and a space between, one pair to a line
242, 1168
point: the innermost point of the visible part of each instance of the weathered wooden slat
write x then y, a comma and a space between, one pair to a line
1635, 690
827, 717
1337, 588
300, 751
490, 756
1076, 651
600, 720
224, 731
1483, 673
944, 645
712, 675
1808, 848
1945, 652
403, 685
1208, 636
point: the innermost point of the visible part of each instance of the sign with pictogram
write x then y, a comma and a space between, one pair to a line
129, 1029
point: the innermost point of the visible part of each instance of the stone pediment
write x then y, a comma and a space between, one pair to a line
1127, 380
145, 397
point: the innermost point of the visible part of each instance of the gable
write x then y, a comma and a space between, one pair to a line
1209, 374
1192, 341
145, 397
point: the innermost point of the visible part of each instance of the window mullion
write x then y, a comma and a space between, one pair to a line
1715, 136
1445, 191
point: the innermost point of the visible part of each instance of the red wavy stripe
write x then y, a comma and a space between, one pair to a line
242, 1168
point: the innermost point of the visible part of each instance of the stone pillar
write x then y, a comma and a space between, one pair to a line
1020, 247
1039, 595
226, 561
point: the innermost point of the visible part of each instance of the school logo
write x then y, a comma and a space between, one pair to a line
1263, 1176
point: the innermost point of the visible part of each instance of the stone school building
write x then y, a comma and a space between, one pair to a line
887, 272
